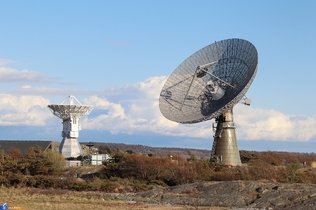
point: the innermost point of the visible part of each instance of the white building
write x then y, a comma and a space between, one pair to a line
99, 158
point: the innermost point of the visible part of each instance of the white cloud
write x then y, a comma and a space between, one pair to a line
9, 75
152, 86
45, 91
23, 110
140, 114
112, 119
97, 102
4, 62
259, 124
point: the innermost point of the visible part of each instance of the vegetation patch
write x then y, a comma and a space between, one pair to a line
134, 172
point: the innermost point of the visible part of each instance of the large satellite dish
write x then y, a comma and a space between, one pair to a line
207, 85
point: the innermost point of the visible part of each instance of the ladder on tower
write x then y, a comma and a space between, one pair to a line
218, 131
213, 150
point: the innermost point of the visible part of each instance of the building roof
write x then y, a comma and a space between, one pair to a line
23, 146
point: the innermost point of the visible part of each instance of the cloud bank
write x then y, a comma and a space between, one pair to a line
23, 110
134, 109
259, 124
142, 115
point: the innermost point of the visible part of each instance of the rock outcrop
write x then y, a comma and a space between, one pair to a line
231, 194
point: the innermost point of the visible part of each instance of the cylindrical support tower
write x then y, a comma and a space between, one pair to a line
70, 113
69, 146
225, 148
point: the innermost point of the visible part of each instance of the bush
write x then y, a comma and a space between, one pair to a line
246, 156
108, 186
78, 186
163, 169
46, 181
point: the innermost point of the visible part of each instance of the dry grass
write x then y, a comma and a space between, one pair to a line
36, 199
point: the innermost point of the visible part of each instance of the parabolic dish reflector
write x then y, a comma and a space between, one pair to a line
69, 108
67, 111
209, 82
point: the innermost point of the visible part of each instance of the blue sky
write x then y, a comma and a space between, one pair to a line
116, 55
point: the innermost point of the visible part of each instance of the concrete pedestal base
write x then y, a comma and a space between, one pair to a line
225, 148
70, 147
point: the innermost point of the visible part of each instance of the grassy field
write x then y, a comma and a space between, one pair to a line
36, 199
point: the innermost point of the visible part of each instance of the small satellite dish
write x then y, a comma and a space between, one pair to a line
207, 85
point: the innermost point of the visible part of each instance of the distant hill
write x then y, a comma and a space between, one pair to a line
160, 151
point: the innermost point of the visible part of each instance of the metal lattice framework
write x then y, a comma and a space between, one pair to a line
68, 109
209, 82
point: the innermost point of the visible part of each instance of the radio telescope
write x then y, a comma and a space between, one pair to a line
207, 85
70, 110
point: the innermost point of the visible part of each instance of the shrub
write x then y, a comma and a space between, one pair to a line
108, 186
171, 172
42, 181
246, 156
78, 186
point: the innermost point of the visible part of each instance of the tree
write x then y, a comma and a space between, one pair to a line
105, 150
192, 156
57, 160
43, 163
16, 153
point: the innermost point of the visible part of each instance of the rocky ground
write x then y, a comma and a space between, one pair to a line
240, 195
